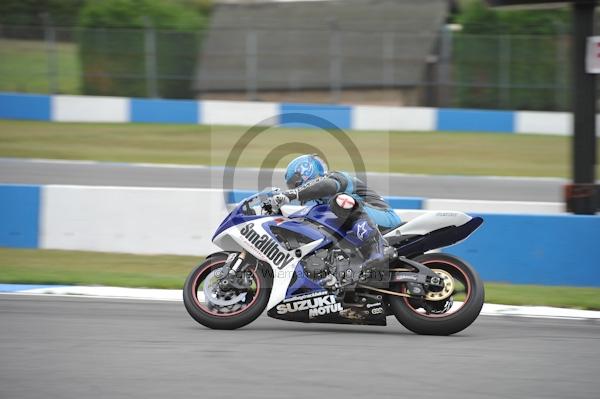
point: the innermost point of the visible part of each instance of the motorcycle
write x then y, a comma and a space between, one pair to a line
300, 266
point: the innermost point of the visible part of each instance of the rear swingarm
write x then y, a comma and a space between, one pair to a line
417, 283
424, 275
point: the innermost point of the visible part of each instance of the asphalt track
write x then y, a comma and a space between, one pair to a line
24, 171
100, 348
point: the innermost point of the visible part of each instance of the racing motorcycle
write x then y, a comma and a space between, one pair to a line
300, 267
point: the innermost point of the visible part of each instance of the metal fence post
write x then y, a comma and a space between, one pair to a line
431, 62
51, 54
444, 66
150, 57
504, 75
335, 63
387, 52
251, 65
560, 94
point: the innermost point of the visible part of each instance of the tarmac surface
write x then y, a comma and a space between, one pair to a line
26, 171
55, 347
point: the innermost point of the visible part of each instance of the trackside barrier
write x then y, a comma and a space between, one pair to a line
548, 249
68, 108
130, 219
19, 216
236, 196
535, 249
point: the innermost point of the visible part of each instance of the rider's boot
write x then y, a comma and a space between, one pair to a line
375, 251
377, 255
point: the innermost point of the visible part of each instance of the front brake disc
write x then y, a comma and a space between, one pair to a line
214, 295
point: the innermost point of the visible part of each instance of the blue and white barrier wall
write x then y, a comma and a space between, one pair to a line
66, 108
553, 249
110, 219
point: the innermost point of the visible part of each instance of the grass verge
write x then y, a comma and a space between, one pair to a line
405, 152
25, 67
29, 266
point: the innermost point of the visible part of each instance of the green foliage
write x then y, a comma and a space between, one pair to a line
30, 12
135, 13
114, 59
204, 7
511, 59
66, 12
477, 18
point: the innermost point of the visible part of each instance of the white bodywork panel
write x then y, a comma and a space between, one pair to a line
235, 239
429, 222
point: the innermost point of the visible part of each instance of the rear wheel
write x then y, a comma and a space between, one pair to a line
445, 312
225, 309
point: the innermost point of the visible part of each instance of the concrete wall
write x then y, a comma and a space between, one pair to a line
130, 219
63, 108
555, 248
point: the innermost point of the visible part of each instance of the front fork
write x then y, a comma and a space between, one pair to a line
230, 274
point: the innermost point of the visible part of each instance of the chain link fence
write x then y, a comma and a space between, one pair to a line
447, 69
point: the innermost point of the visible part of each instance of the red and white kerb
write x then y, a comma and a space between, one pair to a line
345, 201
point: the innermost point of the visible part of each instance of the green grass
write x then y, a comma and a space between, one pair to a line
29, 266
24, 67
405, 152
94, 268
558, 296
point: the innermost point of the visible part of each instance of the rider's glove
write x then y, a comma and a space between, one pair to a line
278, 200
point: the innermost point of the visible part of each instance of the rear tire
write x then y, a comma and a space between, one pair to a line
442, 324
224, 321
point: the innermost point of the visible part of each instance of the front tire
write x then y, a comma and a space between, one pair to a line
202, 312
414, 318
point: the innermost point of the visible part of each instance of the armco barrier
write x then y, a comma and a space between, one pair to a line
63, 108
536, 249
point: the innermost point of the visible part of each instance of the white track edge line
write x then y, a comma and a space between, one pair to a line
488, 309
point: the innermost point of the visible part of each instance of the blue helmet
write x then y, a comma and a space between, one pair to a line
303, 169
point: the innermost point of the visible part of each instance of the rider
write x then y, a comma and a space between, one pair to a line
362, 211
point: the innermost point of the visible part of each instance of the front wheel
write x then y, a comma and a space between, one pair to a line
225, 309
447, 311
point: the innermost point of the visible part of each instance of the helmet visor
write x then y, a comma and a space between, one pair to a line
294, 181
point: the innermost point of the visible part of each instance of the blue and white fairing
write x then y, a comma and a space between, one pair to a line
246, 229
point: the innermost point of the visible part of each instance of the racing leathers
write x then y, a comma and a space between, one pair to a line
363, 211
